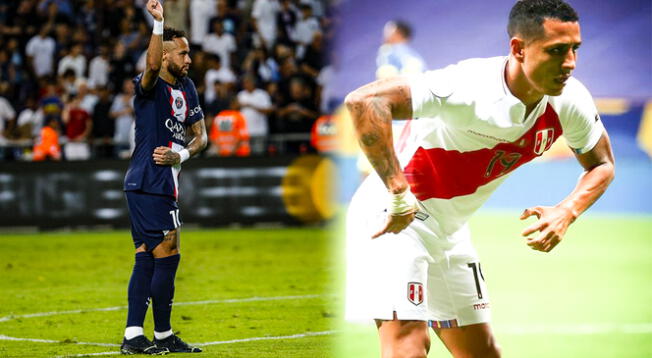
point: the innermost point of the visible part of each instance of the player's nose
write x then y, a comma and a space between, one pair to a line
569, 61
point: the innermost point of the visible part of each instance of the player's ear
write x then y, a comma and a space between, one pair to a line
517, 48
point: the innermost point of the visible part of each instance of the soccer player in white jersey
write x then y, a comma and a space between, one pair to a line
411, 262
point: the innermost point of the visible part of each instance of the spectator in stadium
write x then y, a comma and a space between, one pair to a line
229, 16
264, 14
78, 128
51, 101
103, 124
200, 13
47, 145
30, 120
286, 20
122, 111
40, 52
220, 43
255, 104
305, 29
87, 98
314, 57
299, 114
74, 60
98, 70
265, 67
7, 113
229, 135
34, 50
176, 14
69, 83
216, 72
223, 99
121, 66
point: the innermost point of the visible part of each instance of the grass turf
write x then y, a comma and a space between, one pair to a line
599, 276
86, 271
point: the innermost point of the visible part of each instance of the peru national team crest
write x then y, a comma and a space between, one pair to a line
543, 140
415, 293
178, 104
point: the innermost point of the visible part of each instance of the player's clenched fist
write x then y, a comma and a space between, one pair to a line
552, 225
165, 156
155, 9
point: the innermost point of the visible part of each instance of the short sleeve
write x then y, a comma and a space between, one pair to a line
429, 90
580, 119
195, 113
140, 92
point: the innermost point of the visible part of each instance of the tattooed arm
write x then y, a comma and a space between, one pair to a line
165, 155
372, 109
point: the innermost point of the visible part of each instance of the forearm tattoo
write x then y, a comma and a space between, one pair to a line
372, 119
199, 139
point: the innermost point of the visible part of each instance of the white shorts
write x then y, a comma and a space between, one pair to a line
414, 274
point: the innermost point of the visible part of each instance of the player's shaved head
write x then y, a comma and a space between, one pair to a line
527, 16
169, 38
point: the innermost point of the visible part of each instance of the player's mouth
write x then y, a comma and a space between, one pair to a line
562, 79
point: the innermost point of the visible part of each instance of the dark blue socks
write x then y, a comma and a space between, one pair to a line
162, 291
139, 289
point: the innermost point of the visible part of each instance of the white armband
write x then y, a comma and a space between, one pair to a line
158, 27
184, 154
402, 203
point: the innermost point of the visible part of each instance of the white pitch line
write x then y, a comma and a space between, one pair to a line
252, 339
243, 340
39, 340
117, 308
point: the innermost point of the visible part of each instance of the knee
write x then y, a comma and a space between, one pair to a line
412, 352
408, 348
492, 350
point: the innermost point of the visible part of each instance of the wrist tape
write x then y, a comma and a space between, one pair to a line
158, 27
184, 154
402, 203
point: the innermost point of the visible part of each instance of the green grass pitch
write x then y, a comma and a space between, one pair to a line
590, 297
290, 270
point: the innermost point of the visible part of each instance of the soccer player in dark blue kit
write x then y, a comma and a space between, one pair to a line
167, 112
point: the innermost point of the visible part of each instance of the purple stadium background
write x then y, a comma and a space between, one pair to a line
615, 59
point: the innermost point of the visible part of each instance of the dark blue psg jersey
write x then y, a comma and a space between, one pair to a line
162, 116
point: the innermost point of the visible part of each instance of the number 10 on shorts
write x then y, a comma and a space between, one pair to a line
175, 218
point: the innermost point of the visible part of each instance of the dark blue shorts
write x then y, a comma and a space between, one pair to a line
151, 217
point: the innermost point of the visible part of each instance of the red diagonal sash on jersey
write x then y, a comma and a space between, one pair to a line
445, 174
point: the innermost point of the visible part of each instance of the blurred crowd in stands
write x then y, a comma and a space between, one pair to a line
66, 70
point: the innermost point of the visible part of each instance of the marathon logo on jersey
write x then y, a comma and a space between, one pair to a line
178, 104
415, 293
543, 140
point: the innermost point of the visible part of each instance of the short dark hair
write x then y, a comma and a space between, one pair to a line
403, 28
170, 34
527, 16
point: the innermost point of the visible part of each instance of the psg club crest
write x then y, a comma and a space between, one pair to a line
543, 140
415, 293
178, 104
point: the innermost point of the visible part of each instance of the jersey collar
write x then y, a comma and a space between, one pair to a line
513, 105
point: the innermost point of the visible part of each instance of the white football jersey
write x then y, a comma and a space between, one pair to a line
470, 132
